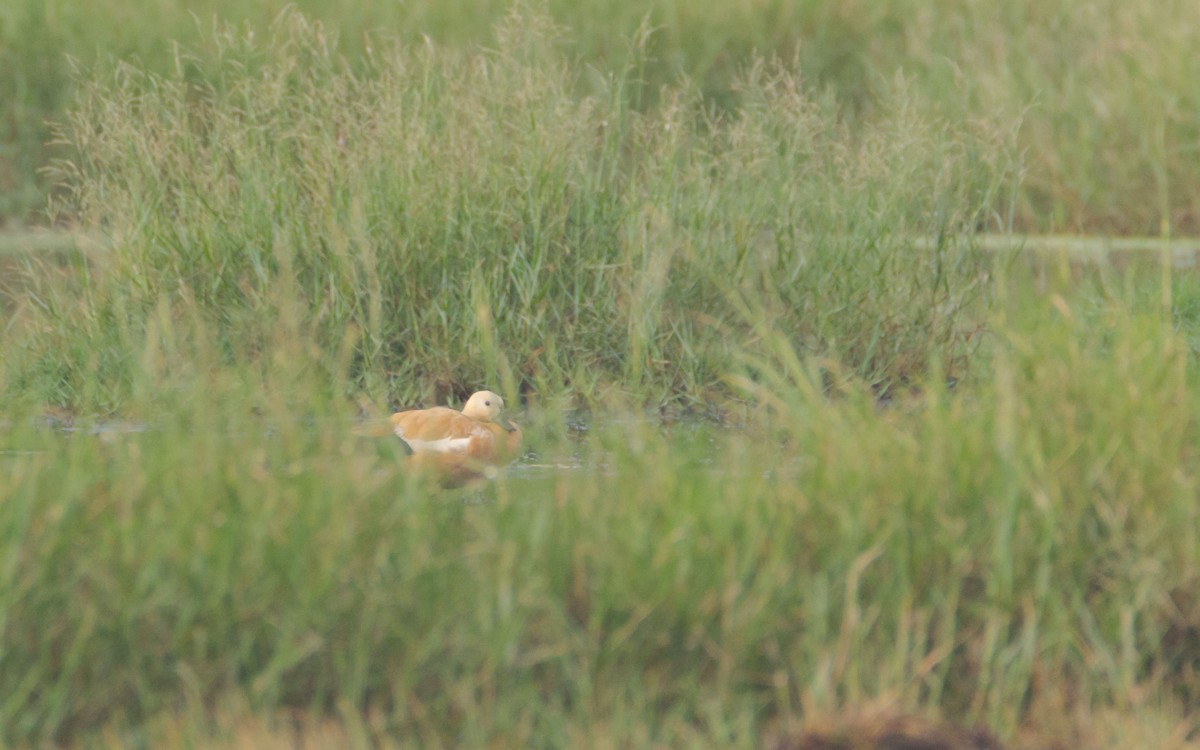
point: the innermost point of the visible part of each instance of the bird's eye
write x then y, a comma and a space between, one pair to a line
487, 403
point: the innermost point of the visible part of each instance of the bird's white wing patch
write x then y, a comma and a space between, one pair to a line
442, 445
445, 445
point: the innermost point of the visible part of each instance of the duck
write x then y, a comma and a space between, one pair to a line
458, 447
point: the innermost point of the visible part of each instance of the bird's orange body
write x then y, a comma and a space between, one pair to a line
460, 446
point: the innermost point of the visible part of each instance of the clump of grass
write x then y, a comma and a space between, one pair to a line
467, 216
1077, 449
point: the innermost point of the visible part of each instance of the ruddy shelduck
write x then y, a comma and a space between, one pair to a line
458, 446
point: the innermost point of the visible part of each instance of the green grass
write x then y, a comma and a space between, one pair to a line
450, 217
984, 552
1104, 93
943, 481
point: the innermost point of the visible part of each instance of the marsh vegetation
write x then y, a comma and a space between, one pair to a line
798, 446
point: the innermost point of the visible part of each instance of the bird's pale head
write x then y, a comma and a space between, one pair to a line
485, 406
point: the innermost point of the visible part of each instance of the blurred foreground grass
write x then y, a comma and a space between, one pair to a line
1020, 552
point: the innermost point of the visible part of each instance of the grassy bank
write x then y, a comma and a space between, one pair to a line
1106, 92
